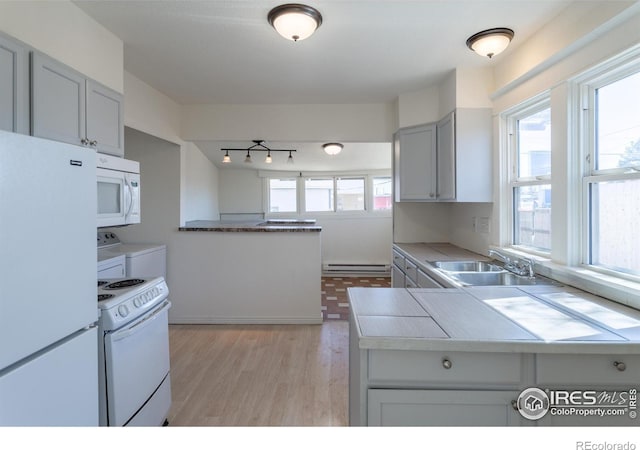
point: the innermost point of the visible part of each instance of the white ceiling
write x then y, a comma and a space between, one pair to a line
366, 51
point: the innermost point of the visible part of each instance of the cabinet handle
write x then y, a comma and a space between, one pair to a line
432, 195
621, 366
93, 143
446, 364
84, 141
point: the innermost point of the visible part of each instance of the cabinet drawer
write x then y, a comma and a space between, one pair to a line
398, 259
415, 407
587, 369
411, 270
417, 368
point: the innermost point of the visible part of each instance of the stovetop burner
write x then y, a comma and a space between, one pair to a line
102, 297
102, 283
123, 284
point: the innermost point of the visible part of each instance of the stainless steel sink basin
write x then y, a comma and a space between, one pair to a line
467, 266
497, 279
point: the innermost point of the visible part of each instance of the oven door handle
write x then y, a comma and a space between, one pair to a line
139, 325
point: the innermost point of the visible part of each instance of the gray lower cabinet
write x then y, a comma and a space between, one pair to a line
613, 377
400, 407
68, 107
14, 86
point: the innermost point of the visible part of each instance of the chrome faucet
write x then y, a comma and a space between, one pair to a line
503, 258
521, 266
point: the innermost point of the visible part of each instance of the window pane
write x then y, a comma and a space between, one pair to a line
532, 218
534, 144
382, 193
615, 221
618, 124
319, 194
350, 194
282, 195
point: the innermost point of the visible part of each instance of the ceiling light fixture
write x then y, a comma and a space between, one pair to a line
490, 42
294, 21
258, 146
332, 148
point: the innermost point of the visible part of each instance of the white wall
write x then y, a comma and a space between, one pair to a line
200, 186
576, 26
307, 123
63, 31
240, 191
416, 108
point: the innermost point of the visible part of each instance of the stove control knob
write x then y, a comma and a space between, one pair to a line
123, 310
137, 302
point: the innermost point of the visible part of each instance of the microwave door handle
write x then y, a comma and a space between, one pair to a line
128, 198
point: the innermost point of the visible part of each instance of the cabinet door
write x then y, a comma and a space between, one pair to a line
14, 87
412, 407
415, 163
58, 101
425, 281
446, 156
105, 127
397, 277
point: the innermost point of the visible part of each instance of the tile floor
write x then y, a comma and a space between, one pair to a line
335, 305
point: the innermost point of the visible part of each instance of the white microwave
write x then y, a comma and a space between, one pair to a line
118, 191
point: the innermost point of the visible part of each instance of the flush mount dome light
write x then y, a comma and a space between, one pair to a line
294, 21
490, 42
332, 148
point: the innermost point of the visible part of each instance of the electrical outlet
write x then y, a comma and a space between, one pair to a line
483, 225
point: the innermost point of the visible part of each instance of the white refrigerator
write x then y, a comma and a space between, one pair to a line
48, 292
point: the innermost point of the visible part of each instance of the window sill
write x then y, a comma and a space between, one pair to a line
619, 290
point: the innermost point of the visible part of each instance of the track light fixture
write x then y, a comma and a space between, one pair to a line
258, 146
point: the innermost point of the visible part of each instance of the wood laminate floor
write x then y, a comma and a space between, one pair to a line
262, 375
266, 375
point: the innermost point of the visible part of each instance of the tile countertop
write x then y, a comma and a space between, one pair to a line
274, 225
530, 319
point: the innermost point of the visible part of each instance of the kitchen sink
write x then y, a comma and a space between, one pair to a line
468, 266
497, 279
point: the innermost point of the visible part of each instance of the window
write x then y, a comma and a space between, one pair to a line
612, 181
328, 193
283, 195
350, 194
382, 200
530, 152
318, 194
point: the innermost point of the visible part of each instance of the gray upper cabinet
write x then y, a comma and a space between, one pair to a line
14, 86
448, 161
415, 163
68, 107
464, 156
104, 119
446, 156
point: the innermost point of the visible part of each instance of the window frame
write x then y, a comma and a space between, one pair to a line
587, 85
301, 177
514, 181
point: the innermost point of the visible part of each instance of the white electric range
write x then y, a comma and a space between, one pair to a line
133, 333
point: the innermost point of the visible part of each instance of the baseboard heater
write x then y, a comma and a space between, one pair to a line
356, 268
